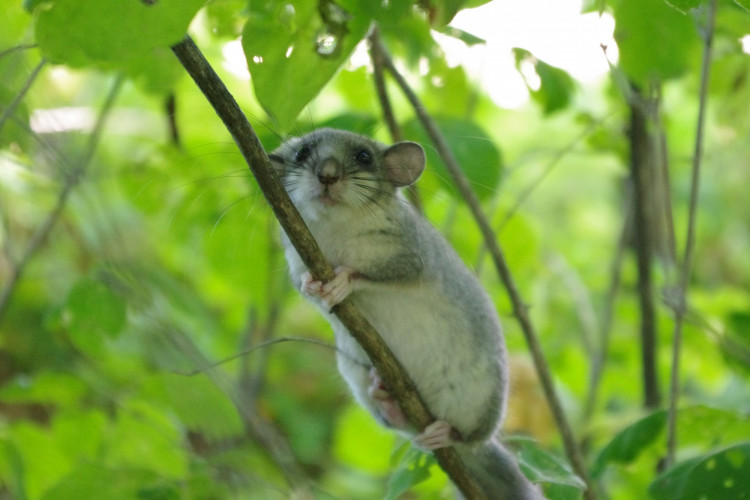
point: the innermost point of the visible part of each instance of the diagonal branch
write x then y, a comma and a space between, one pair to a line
520, 309
381, 356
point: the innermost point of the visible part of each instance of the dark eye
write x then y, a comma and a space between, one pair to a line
302, 154
363, 157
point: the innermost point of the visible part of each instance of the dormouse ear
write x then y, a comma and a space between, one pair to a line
403, 163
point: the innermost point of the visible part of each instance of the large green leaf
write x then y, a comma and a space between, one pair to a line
292, 52
542, 467
699, 425
630, 442
723, 474
413, 468
656, 42
473, 148
130, 35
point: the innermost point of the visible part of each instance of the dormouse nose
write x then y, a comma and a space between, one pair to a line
329, 171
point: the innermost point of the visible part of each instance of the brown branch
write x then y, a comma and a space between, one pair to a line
381, 356
680, 308
642, 165
520, 309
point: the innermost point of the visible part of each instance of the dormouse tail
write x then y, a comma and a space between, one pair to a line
497, 473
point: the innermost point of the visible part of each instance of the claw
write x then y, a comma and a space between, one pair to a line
436, 435
333, 292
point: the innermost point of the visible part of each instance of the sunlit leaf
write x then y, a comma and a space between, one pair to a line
292, 53
656, 42
131, 36
723, 474
556, 89
413, 468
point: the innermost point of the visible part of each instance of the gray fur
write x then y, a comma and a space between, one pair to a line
412, 287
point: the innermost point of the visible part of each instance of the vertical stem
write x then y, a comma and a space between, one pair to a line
641, 164
520, 309
687, 262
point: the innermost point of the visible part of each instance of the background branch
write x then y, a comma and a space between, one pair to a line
520, 310
382, 358
71, 180
680, 308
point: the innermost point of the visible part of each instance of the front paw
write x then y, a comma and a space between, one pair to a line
333, 292
439, 434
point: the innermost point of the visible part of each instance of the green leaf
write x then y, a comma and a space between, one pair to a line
685, 6
413, 468
540, 466
11, 470
630, 442
144, 438
93, 312
722, 474
199, 404
557, 86
130, 35
462, 35
96, 481
292, 53
656, 42
745, 4
475, 151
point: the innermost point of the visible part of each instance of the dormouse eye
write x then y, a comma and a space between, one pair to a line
363, 157
302, 154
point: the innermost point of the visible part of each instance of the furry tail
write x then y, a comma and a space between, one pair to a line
497, 473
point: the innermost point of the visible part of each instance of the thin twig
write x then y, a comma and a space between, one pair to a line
600, 357
520, 309
8, 111
260, 345
72, 179
385, 105
680, 308
381, 356
23, 46
261, 430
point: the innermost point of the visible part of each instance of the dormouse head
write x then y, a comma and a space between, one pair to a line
330, 167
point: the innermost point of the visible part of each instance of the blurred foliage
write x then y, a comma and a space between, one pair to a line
117, 310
